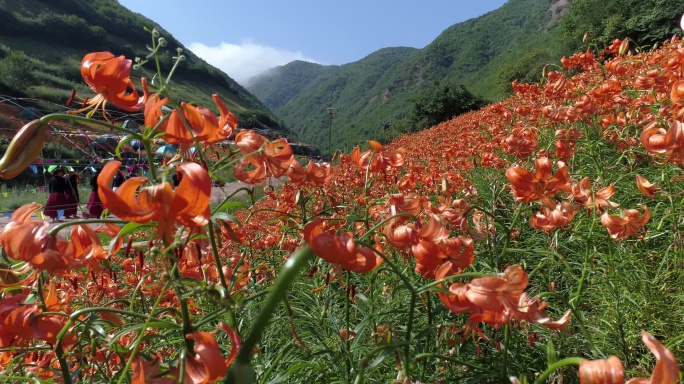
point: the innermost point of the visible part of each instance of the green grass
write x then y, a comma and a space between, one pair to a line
17, 197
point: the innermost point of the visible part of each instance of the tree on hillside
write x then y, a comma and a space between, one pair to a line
442, 102
528, 69
644, 21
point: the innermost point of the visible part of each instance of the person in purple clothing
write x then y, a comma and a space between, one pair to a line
57, 200
73, 197
94, 206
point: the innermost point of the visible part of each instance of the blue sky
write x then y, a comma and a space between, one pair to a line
248, 37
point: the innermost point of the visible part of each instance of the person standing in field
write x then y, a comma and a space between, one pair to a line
95, 207
57, 200
73, 198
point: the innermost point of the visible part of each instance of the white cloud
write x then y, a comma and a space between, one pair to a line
242, 61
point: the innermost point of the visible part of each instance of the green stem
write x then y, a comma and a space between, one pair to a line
509, 230
185, 313
290, 270
366, 360
63, 365
452, 359
155, 48
83, 119
580, 286
54, 231
553, 367
347, 339
210, 317
409, 329
214, 252
258, 151
147, 143
507, 335
138, 340
448, 279
18, 379
428, 339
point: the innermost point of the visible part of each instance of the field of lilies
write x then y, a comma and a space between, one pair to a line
539, 239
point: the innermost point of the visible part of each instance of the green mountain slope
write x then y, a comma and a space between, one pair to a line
281, 84
42, 43
377, 90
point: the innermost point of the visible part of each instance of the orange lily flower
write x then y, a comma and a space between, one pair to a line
541, 185
583, 195
378, 158
610, 371
296, 173
148, 372
548, 220
666, 370
207, 366
502, 299
339, 249
276, 158
24, 322
187, 205
498, 293
153, 111
28, 240
316, 174
456, 301
647, 188
434, 251
625, 226
669, 143
109, 77
499, 299
456, 216
521, 143
204, 125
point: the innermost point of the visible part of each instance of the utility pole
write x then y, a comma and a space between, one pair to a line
331, 114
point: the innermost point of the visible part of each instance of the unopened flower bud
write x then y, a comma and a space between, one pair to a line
624, 47
23, 149
586, 37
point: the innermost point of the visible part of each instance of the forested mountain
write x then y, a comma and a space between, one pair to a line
375, 96
42, 43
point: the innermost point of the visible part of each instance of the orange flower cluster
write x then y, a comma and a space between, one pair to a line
498, 300
206, 366
378, 158
543, 184
430, 222
23, 324
109, 77
275, 160
187, 205
28, 240
315, 174
189, 123
340, 249
610, 371
668, 143
437, 254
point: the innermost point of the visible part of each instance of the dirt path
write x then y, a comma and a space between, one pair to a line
218, 194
